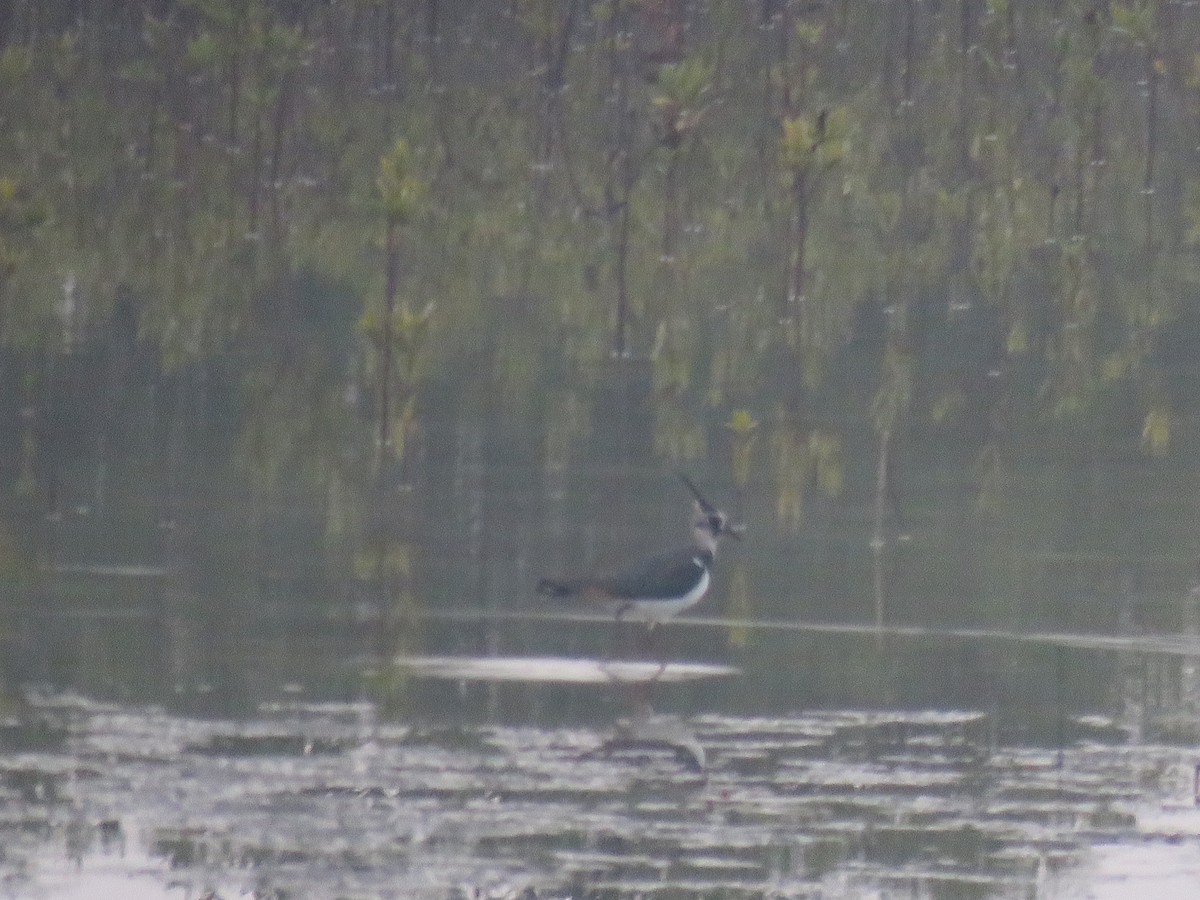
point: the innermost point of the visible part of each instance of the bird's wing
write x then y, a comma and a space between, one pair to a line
659, 577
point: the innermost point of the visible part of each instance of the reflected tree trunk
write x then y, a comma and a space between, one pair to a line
878, 543
1132, 679
620, 349
1189, 675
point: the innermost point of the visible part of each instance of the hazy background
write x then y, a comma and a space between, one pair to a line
318, 319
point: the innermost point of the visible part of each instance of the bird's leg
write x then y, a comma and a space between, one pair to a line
639, 697
650, 640
621, 610
642, 642
658, 643
652, 647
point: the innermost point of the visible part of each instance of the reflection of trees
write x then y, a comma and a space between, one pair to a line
1189, 666
972, 228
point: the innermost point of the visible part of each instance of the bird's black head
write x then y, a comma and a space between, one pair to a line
710, 524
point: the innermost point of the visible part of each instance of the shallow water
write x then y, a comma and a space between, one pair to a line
328, 800
208, 704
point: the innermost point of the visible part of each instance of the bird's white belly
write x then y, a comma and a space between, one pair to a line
661, 609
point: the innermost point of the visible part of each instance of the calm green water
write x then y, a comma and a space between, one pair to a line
222, 600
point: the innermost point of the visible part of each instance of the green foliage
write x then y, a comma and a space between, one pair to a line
296, 423
681, 99
1133, 20
539, 17
203, 51
401, 191
828, 458
817, 141
23, 218
1017, 342
410, 329
946, 407
809, 33
798, 143
739, 607
803, 457
15, 63
197, 159
684, 83
790, 453
1156, 431
744, 429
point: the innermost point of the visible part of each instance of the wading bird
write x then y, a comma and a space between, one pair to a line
660, 587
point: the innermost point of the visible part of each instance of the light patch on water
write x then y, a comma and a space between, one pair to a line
71, 872
560, 670
1138, 871
112, 570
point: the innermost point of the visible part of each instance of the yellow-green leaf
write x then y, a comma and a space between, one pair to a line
742, 422
946, 406
402, 192
1018, 339
1156, 431
1116, 367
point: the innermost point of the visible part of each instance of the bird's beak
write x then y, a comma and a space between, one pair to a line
704, 504
736, 531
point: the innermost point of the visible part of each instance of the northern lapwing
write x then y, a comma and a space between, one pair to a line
660, 587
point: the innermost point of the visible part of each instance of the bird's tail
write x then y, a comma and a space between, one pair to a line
559, 587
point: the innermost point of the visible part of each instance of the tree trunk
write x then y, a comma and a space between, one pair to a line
275, 167
795, 287
966, 96
1151, 144
670, 227
619, 339
910, 49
